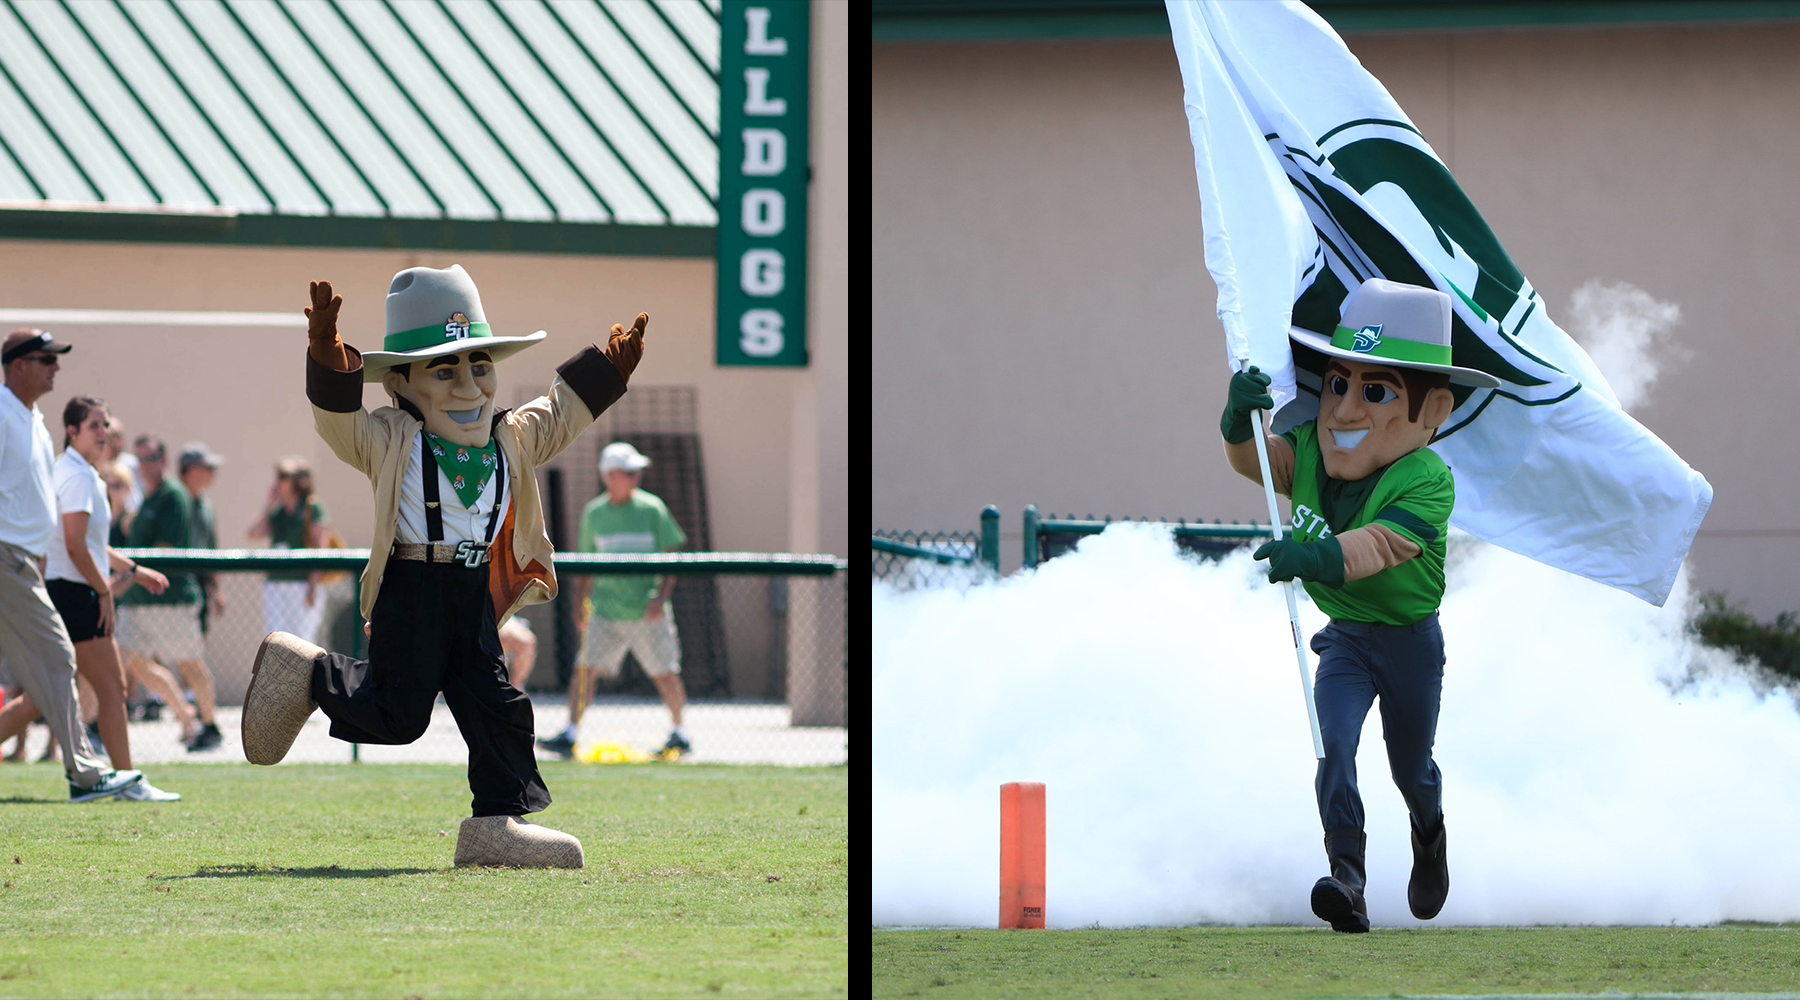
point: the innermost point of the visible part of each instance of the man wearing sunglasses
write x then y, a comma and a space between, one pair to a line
1371, 507
33, 639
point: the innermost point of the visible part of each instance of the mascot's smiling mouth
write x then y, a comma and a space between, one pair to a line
1349, 439
467, 416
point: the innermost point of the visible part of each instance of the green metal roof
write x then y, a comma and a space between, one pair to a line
587, 125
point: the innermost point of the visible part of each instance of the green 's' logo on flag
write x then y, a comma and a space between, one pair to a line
1367, 339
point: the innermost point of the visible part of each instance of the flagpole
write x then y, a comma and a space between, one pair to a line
1287, 586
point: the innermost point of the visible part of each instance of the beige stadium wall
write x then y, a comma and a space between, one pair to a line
1043, 322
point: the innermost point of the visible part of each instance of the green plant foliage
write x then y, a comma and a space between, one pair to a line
1776, 645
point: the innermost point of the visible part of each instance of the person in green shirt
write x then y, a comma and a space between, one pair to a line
198, 465
166, 627
620, 614
293, 600
1371, 507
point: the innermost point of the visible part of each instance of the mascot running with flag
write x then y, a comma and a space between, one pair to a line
459, 546
1371, 509
1351, 269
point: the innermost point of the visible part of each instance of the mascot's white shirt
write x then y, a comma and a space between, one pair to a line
460, 522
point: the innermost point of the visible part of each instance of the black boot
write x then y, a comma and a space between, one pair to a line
1338, 898
1430, 881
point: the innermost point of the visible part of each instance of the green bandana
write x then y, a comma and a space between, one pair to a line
468, 469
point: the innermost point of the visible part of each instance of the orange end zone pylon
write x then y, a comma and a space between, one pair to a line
1022, 855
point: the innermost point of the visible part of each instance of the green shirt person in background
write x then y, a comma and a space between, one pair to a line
158, 628
620, 614
165, 520
293, 599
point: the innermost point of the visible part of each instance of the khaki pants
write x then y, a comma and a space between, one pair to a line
41, 660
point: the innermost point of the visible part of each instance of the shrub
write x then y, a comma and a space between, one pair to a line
1776, 645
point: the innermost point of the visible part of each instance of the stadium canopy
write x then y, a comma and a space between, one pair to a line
584, 126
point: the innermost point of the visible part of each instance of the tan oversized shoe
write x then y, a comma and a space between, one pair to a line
515, 843
280, 697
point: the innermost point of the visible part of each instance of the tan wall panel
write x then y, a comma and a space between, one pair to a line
1044, 325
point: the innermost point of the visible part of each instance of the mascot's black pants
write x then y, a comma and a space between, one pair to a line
1359, 662
433, 630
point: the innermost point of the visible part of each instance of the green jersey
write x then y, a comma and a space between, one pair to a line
1412, 497
641, 524
287, 530
167, 516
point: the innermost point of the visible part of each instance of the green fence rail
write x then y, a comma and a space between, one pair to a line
1047, 537
895, 555
762, 641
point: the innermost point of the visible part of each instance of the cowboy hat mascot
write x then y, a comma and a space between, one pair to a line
459, 546
1371, 507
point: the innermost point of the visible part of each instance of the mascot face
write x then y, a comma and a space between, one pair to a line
1365, 421
455, 392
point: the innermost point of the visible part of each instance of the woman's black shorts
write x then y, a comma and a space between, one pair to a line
79, 607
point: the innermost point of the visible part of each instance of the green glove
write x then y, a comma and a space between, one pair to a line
1320, 562
1249, 391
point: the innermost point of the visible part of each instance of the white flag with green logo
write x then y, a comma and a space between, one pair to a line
1312, 181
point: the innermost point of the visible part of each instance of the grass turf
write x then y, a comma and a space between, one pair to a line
1308, 962
336, 880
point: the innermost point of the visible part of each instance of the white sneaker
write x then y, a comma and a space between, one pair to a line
144, 791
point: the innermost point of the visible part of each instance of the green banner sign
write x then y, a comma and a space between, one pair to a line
763, 82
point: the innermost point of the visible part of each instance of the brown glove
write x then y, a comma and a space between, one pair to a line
624, 349
321, 328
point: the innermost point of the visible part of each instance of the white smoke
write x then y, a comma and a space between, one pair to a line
1625, 331
1599, 766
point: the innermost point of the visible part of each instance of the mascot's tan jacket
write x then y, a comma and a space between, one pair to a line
379, 444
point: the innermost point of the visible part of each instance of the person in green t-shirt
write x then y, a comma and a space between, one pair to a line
199, 465
620, 614
293, 601
166, 627
1371, 507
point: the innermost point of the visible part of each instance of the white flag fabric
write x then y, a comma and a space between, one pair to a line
1312, 181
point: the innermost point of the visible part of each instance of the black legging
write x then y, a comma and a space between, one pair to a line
433, 630
1405, 668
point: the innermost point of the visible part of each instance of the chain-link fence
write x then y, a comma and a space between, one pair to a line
760, 640
909, 560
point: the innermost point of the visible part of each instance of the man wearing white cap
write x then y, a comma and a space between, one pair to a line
1371, 508
33, 638
621, 614
459, 546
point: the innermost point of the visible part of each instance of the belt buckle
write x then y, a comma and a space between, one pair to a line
471, 554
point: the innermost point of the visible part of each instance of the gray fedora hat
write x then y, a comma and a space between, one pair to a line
1402, 326
432, 313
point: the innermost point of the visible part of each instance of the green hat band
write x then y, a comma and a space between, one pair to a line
1369, 341
432, 336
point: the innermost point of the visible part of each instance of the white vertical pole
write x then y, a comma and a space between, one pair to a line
1287, 586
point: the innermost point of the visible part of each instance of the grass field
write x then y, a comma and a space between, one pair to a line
336, 880
1308, 962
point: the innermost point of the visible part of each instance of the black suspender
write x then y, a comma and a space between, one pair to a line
434, 518
434, 515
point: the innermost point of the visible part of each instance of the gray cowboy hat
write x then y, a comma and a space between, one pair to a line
1402, 326
432, 313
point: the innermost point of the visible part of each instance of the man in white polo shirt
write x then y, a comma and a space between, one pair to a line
35, 643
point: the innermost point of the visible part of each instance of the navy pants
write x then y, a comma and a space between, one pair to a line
433, 630
1404, 667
